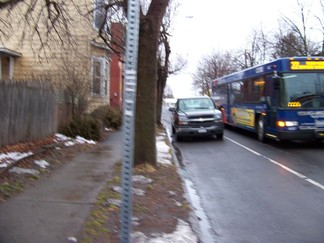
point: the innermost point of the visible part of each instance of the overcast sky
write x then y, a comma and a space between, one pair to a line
204, 26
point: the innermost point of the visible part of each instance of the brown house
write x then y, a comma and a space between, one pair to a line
70, 55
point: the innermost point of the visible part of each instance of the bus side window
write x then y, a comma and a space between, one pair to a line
276, 81
268, 91
258, 89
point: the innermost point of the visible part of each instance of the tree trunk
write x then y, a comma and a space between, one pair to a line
145, 147
163, 72
159, 95
145, 119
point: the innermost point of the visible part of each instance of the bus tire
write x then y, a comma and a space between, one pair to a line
260, 130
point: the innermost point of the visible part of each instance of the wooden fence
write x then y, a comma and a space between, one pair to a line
28, 111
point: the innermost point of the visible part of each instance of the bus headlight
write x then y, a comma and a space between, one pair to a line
287, 123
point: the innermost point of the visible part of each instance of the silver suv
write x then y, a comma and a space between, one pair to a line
196, 116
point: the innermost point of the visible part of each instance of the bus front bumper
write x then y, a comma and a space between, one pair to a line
301, 135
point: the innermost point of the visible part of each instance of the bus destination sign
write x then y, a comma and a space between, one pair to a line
307, 65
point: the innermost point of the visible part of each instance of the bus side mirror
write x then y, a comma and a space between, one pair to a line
276, 82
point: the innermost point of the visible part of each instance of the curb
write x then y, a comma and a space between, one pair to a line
199, 221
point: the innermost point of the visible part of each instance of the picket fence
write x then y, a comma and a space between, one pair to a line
29, 110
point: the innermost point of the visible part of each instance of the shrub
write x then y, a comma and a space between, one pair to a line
84, 126
109, 117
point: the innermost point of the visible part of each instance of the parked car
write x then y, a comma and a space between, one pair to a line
196, 116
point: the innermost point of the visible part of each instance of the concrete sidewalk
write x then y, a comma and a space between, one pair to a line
56, 207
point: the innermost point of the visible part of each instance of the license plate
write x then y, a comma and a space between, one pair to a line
202, 131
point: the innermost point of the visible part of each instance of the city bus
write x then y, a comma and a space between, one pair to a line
281, 100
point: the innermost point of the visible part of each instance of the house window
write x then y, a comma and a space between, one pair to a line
99, 14
100, 71
96, 79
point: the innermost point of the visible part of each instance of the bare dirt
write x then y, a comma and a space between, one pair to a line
155, 212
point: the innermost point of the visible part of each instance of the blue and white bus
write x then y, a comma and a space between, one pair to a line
282, 100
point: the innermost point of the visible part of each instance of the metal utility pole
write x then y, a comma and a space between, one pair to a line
129, 118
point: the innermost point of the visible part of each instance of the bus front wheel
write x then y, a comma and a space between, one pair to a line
260, 130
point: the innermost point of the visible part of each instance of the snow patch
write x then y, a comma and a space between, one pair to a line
19, 171
163, 151
70, 141
8, 158
115, 202
41, 163
135, 191
141, 179
72, 239
182, 234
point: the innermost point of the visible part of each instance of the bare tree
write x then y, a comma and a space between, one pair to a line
256, 50
47, 26
41, 22
288, 45
74, 79
210, 67
321, 23
292, 38
164, 66
162, 69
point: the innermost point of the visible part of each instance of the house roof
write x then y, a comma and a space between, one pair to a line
7, 52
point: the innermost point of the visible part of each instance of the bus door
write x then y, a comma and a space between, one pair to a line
234, 97
272, 95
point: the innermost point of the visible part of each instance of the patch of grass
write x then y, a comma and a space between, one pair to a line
34, 177
150, 187
113, 207
7, 189
95, 226
118, 167
145, 168
138, 208
115, 180
42, 170
105, 195
186, 206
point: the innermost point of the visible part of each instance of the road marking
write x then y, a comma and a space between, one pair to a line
279, 164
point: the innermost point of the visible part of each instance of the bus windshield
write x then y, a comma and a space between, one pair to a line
303, 90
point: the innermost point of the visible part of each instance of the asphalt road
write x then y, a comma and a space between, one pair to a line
254, 192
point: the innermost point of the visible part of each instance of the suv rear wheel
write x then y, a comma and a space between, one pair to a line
220, 136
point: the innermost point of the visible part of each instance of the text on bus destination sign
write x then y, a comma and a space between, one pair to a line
307, 65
